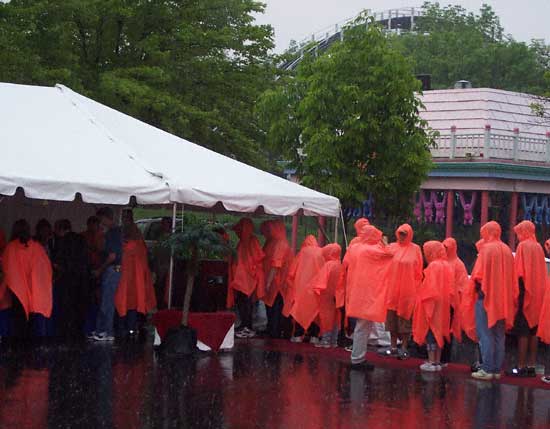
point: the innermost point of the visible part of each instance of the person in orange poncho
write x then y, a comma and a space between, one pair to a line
359, 225
305, 267
28, 275
496, 285
135, 293
404, 279
532, 277
368, 266
432, 313
543, 331
246, 275
460, 283
276, 264
318, 303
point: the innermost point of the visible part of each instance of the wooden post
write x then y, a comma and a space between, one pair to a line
484, 208
487, 142
513, 220
516, 143
321, 231
453, 142
294, 239
450, 214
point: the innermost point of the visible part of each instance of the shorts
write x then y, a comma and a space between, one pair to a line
431, 342
397, 324
521, 326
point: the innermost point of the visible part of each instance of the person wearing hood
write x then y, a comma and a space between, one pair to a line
496, 285
543, 331
305, 267
404, 279
367, 275
460, 283
531, 271
318, 302
246, 275
276, 264
359, 225
432, 313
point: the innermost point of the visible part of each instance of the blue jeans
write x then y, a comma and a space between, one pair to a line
491, 340
105, 315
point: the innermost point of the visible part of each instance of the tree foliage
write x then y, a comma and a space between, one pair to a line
348, 120
194, 68
452, 44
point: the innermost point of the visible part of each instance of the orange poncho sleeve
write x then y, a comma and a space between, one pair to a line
543, 331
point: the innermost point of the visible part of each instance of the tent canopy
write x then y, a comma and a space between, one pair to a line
57, 143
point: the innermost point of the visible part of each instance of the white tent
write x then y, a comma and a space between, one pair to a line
57, 143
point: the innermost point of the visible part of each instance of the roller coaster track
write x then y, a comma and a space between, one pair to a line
395, 20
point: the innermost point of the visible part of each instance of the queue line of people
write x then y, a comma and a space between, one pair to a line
419, 293
58, 283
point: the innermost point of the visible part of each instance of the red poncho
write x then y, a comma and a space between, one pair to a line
278, 257
359, 225
367, 276
531, 267
319, 299
135, 289
305, 267
544, 323
246, 272
405, 274
435, 297
460, 284
494, 270
28, 274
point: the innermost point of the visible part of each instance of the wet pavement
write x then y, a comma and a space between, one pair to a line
261, 384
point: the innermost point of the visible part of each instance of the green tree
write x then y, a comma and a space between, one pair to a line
194, 68
349, 122
452, 44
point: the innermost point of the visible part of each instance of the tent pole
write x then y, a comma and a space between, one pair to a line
171, 272
344, 228
336, 230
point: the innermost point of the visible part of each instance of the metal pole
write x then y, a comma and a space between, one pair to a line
171, 272
336, 230
344, 228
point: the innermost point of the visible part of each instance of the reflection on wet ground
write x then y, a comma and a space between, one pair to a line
256, 386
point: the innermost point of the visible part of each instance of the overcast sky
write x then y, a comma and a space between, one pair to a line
297, 19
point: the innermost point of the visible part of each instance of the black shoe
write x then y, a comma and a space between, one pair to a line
531, 371
364, 366
518, 372
475, 367
403, 355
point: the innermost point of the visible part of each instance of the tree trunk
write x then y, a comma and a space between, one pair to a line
191, 274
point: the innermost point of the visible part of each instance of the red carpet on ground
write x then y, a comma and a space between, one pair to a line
339, 353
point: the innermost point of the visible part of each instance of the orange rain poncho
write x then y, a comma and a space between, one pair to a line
135, 289
319, 299
494, 270
460, 284
278, 256
359, 225
468, 302
544, 323
531, 267
246, 272
435, 297
305, 267
405, 274
28, 274
367, 276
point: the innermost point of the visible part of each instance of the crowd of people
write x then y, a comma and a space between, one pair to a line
424, 294
59, 284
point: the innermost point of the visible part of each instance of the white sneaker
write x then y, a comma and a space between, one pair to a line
103, 337
245, 333
430, 367
297, 340
323, 344
314, 340
545, 379
482, 375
